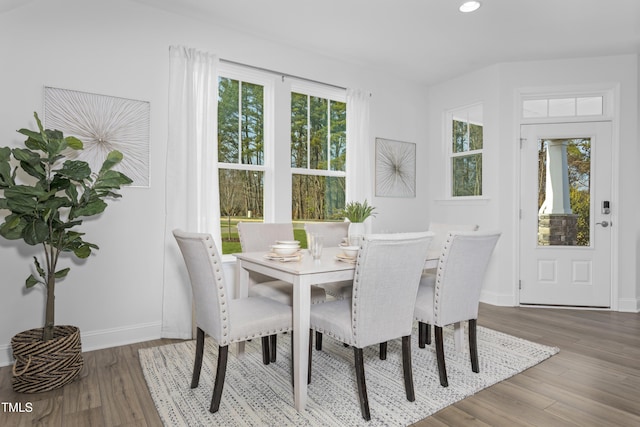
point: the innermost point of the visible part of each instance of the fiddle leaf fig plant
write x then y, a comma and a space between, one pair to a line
46, 207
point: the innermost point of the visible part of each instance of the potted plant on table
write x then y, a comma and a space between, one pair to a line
46, 204
357, 213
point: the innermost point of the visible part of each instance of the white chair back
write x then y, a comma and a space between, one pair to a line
386, 282
441, 231
259, 236
210, 296
332, 232
460, 275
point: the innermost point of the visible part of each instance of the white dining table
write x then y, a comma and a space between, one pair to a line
302, 273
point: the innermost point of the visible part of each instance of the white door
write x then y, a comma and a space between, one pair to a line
565, 214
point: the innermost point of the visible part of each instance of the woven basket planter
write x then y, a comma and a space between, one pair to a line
46, 365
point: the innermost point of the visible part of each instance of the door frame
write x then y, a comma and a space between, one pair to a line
611, 109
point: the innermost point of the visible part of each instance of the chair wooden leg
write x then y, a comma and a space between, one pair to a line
383, 350
273, 347
221, 371
428, 328
407, 368
442, 369
197, 364
473, 345
318, 340
266, 356
422, 334
362, 386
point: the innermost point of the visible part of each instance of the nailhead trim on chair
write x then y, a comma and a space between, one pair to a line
438, 284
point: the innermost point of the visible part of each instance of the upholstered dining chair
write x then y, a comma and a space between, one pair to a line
259, 236
387, 275
333, 234
224, 319
453, 294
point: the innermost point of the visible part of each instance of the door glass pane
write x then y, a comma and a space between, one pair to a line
564, 192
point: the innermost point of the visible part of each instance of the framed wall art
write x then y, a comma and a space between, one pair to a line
103, 123
395, 168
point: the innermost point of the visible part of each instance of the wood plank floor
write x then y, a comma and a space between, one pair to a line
593, 381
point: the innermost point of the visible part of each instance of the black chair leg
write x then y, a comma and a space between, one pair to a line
318, 340
221, 371
362, 386
442, 369
407, 368
266, 357
422, 334
197, 364
473, 346
311, 352
273, 346
383, 350
428, 328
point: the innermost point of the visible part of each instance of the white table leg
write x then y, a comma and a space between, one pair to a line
301, 312
242, 291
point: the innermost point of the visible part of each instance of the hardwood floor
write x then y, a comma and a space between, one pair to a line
593, 381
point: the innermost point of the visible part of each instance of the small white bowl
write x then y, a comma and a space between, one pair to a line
288, 242
350, 251
284, 250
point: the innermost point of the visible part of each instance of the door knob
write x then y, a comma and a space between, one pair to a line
604, 224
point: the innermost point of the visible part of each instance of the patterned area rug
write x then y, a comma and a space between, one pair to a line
259, 395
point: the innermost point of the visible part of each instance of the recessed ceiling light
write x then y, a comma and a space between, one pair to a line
469, 6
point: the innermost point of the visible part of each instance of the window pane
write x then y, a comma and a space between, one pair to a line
318, 123
475, 137
241, 197
467, 175
299, 130
460, 136
565, 107
240, 118
228, 138
591, 106
534, 108
252, 124
338, 135
317, 197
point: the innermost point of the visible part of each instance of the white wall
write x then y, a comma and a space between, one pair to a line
120, 48
497, 88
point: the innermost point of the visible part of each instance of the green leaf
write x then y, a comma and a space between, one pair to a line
35, 232
82, 251
76, 170
113, 158
61, 274
74, 143
12, 228
93, 208
39, 269
31, 281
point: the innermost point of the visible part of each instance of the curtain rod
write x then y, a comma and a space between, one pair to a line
227, 61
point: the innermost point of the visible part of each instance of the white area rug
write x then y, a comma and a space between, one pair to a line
259, 395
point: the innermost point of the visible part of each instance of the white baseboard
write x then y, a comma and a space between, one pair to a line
96, 340
502, 300
631, 305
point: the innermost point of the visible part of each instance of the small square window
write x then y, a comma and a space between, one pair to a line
589, 106
563, 107
534, 108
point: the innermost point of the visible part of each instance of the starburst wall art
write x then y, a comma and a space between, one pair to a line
103, 123
395, 168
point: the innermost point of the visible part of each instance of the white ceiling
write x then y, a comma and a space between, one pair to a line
428, 40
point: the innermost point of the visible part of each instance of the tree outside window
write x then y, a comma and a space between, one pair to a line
466, 151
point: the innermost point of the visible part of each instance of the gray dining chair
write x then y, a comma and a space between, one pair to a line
259, 236
224, 319
387, 275
453, 294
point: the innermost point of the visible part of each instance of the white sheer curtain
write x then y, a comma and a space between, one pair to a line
192, 198
359, 148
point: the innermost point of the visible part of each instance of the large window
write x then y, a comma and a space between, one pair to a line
247, 154
318, 156
465, 151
